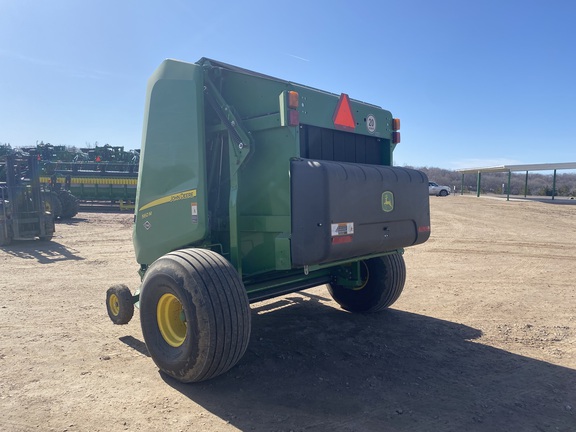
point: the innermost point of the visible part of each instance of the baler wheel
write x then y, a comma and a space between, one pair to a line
384, 281
119, 304
195, 314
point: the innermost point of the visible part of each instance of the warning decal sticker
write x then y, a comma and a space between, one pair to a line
194, 208
342, 229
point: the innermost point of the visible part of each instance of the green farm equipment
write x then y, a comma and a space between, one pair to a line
101, 174
93, 181
59, 199
251, 187
23, 210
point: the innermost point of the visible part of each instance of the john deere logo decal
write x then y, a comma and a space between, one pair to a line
387, 201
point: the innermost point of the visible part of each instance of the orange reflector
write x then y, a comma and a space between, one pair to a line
292, 99
343, 117
395, 124
395, 137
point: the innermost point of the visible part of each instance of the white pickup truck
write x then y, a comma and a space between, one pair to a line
436, 189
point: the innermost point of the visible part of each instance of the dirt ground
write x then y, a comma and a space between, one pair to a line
482, 339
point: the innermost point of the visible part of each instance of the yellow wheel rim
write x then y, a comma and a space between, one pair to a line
171, 320
114, 304
365, 275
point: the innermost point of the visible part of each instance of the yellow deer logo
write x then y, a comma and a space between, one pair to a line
387, 201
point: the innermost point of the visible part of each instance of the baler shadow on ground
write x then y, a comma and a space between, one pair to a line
312, 367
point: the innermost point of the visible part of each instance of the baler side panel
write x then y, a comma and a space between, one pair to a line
171, 203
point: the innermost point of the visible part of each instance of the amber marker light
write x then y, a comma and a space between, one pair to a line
292, 99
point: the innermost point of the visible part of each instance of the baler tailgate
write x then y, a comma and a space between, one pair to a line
342, 210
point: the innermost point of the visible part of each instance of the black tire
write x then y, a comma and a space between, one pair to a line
69, 204
5, 224
443, 193
52, 203
49, 227
384, 281
119, 304
5, 234
195, 314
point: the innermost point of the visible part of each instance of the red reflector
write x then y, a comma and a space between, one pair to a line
424, 228
293, 118
343, 117
395, 137
342, 239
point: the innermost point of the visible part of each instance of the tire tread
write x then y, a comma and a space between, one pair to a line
219, 289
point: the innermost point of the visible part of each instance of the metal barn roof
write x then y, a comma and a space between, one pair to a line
510, 168
527, 167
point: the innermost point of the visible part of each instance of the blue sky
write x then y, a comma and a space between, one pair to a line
475, 83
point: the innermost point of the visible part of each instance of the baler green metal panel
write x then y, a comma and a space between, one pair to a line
194, 109
171, 206
263, 195
264, 199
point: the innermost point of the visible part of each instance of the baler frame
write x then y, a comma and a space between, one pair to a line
277, 187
